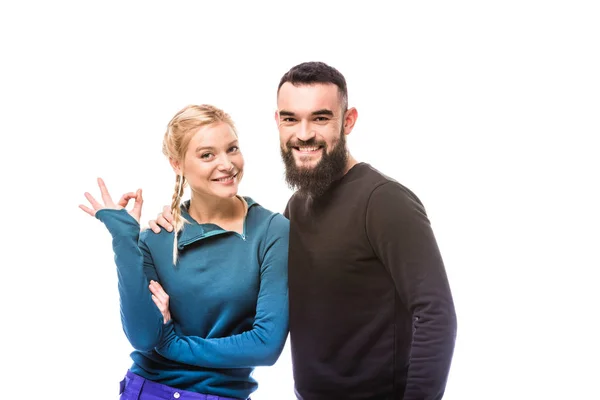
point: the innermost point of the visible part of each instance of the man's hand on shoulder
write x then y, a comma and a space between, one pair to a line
163, 220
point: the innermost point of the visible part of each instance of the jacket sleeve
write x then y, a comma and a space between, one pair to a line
260, 346
401, 236
141, 319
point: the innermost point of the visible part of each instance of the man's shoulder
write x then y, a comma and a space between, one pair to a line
372, 176
294, 201
384, 185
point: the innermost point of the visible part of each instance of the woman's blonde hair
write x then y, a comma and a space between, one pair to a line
180, 131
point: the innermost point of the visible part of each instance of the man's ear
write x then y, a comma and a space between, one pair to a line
350, 118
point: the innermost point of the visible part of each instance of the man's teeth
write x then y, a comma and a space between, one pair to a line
314, 148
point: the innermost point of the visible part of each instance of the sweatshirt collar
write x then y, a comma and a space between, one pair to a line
192, 231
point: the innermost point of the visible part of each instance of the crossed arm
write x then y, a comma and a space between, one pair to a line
144, 306
259, 346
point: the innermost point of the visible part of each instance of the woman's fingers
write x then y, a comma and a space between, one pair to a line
105, 195
158, 291
136, 211
161, 300
125, 199
88, 210
97, 206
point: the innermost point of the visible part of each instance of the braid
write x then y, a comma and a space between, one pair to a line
180, 130
178, 220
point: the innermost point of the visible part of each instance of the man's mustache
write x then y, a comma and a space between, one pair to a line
310, 142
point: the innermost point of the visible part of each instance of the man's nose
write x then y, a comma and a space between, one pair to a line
305, 132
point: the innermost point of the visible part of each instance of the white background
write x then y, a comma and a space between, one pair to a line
489, 111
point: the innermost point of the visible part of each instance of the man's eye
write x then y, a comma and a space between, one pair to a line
288, 119
321, 119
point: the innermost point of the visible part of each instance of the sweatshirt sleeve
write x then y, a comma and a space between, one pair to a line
401, 236
260, 346
142, 321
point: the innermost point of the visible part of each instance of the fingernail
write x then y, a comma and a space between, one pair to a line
170, 228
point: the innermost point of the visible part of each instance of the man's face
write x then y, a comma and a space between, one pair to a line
311, 120
309, 114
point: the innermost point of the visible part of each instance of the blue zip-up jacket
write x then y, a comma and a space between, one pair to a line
228, 298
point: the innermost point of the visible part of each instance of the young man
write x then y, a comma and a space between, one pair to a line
371, 311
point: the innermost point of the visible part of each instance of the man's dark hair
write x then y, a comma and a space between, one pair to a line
312, 72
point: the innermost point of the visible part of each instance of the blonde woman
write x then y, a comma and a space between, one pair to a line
224, 267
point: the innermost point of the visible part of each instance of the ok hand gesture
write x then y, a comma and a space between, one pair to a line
135, 212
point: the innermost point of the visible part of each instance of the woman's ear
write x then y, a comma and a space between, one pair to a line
175, 164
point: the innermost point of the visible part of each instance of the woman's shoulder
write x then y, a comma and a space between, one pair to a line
163, 239
261, 215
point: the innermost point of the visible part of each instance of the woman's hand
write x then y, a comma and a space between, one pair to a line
161, 299
135, 212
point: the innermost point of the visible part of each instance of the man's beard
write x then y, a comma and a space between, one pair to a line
315, 181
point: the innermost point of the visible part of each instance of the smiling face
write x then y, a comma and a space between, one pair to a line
310, 121
213, 164
312, 126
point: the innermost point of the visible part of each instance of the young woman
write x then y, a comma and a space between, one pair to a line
224, 267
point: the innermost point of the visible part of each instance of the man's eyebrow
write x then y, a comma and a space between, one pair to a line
324, 111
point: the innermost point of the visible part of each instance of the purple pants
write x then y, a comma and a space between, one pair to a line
134, 387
